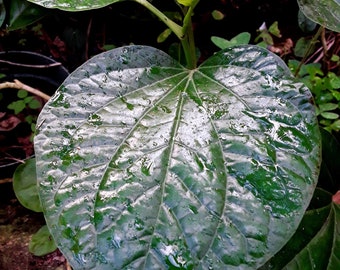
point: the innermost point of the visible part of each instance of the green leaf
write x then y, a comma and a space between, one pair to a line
301, 46
34, 104
329, 115
22, 93
240, 39
186, 3
75, 5
151, 165
316, 243
305, 24
42, 242
323, 12
164, 35
23, 13
2, 12
328, 106
18, 106
217, 15
25, 185
274, 29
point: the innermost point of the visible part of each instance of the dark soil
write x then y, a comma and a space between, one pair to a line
17, 225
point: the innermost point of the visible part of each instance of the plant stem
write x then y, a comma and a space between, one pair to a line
177, 29
19, 85
310, 47
189, 49
184, 33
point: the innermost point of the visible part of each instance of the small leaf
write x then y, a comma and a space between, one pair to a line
164, 35
328, 107
274, 29
329, 115
185, 3
42, 242
22, 94
301, 46
18, 106
217, 15
34, 104
25, 185
240, 39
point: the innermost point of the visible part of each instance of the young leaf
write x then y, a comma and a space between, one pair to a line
22, 94
151, 165
164, 35
42, 242
186, 3
240, 39
25, 185
18, 106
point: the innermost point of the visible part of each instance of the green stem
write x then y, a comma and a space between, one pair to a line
175, 28
188, 44
309, 49
188, 41
185, 33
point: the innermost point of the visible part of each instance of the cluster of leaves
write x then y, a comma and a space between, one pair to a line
326, 92
26, 191
26, 101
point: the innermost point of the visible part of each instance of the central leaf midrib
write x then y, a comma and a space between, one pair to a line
168, 154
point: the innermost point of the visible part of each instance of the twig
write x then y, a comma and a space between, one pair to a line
19, 85
30, 66
6, 180
88, 31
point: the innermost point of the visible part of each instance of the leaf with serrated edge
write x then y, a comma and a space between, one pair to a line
144, 164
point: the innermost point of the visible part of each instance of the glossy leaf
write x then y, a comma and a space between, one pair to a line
316, 244
144, 164
323, 12
74, 5
25, 185
240, 39
2, 12
23, 13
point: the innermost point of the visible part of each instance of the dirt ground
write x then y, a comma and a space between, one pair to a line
17, 225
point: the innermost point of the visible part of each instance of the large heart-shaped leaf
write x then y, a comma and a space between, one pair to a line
324, 12
74, 5
143, 164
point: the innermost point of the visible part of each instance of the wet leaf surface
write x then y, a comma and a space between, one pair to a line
144, 164
74, 5
323, 12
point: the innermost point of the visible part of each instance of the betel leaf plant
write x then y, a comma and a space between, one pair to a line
144, 163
